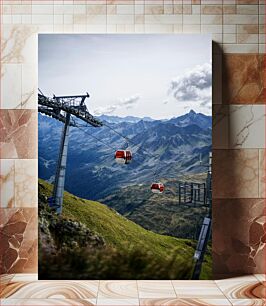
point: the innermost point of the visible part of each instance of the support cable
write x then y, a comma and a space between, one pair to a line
134, 145
96, 138
104, 143
130, 140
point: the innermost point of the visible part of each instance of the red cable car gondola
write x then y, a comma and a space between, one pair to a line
123, 156
157, 188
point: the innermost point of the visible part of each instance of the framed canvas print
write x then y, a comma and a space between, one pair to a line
125, 138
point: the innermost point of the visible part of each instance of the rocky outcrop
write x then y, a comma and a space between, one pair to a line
57, 232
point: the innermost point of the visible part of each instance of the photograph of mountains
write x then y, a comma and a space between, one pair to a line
125, 137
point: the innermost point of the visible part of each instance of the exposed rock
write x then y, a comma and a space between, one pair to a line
57, 232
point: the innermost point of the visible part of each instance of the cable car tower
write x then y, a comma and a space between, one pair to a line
206, 225
64, 109
199, 195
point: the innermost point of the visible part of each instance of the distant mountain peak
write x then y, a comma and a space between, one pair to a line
192, 118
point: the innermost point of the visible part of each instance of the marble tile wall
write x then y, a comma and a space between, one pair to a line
18, 183
239, 235
18, 250
238, 32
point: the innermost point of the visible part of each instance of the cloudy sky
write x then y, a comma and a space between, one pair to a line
160, 76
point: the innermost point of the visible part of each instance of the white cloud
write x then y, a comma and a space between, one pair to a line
110, 109
129, 102
194, 85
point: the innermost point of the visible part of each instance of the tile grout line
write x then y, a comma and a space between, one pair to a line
175, 289
98, 289
138, 291
222, 291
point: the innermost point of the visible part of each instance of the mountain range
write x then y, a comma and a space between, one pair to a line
167, 147
164, 150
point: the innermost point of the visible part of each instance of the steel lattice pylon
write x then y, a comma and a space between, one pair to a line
206, 226
199, 195
63, 109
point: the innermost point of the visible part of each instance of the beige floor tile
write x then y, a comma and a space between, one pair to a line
248, 302
118, 289
156, 289
239, 279
51, 290
118, 302
260, 277
206, 301
23, 289
245, 287
197, 289
48, 302
184, 302
25, 277
5, 279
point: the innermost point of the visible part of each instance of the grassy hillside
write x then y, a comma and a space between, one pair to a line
123, 239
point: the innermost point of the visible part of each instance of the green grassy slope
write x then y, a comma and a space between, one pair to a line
121, 233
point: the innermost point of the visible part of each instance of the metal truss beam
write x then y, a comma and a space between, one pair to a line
69, 105
51, 113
